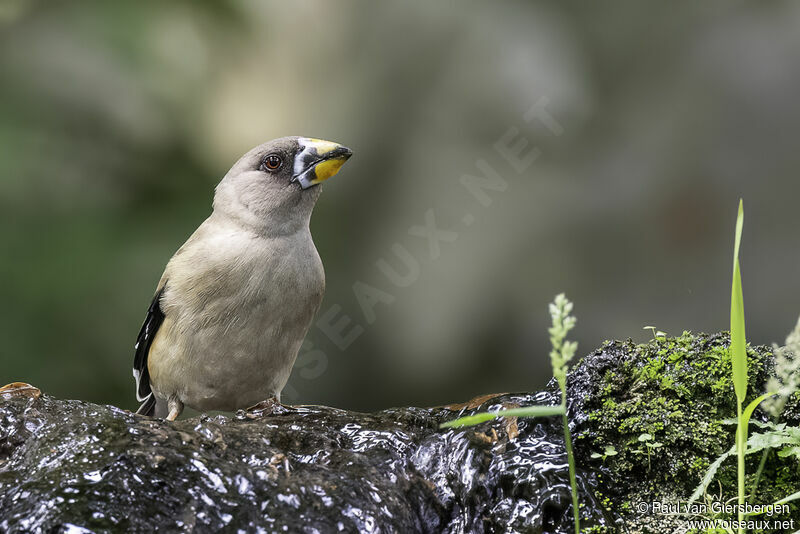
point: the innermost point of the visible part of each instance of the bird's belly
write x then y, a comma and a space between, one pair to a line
228, 365
254, 370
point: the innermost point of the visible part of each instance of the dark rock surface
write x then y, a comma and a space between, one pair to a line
72, 466
67, 464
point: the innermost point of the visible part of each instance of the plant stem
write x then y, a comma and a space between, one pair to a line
761, 466
741, 443
571, 460
760, 470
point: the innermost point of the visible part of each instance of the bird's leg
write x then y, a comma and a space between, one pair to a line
175, 408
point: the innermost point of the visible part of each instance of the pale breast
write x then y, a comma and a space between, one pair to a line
237, 307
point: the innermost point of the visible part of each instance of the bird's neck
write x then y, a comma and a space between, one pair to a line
267, 225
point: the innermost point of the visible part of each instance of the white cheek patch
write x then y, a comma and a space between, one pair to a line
302, 159
304, 162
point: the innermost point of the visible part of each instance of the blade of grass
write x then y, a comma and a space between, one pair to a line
738, 354
739, 225
748, 412
741, 437
738, 340
527, 411
790, 498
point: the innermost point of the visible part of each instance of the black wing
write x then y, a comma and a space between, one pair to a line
155, 316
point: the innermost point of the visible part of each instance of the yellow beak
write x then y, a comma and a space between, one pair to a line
318, 160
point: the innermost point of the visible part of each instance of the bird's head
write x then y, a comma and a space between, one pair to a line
275, 185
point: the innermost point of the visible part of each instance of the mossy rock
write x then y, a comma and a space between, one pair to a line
675, 395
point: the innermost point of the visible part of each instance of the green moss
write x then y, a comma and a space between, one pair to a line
678, 390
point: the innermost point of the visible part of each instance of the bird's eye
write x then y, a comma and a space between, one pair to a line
271, 162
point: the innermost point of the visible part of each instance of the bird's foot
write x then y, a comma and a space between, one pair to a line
270, 406
175, 409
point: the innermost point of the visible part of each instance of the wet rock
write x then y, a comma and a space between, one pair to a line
69, 464
72, 466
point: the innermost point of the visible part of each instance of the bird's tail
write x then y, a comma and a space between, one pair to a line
148, 407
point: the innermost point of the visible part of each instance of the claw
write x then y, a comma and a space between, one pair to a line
175, 409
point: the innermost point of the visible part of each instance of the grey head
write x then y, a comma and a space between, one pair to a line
272, 189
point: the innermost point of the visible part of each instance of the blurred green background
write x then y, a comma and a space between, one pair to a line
117, 119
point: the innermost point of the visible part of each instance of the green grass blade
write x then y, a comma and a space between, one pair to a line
738, 350
528, 411
790, 498
785, 500
738, 354
739, 224
745, 420
748, 412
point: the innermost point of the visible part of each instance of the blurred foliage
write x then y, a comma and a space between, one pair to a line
118, 118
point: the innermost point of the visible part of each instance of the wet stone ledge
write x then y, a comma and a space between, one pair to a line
73, 466
66, 464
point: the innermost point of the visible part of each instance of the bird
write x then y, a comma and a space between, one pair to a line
236, 301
